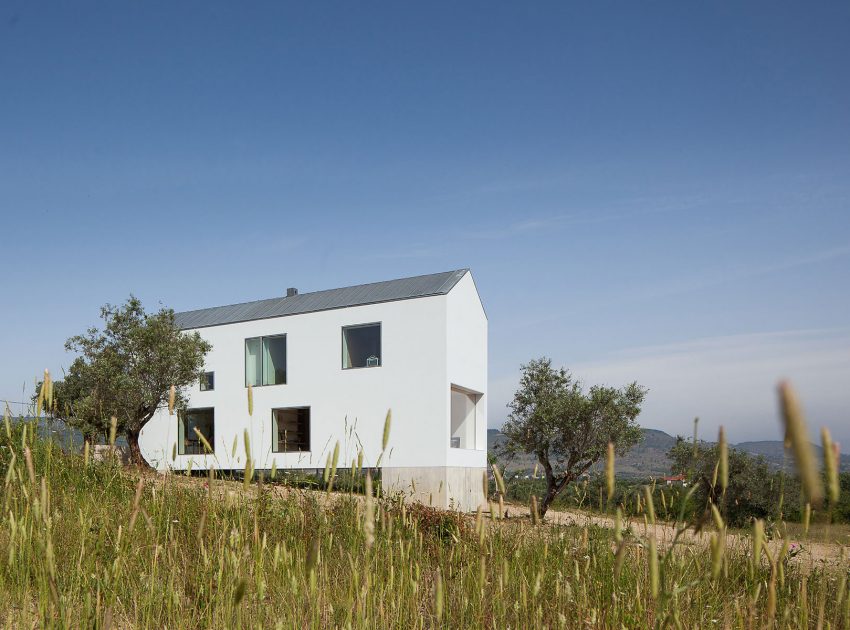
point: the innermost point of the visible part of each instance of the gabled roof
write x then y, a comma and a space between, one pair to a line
387, 291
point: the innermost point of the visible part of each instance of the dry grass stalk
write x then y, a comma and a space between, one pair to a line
137, 499
500, 482
369, 513
723, 459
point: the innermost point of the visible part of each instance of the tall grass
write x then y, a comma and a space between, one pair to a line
88, 544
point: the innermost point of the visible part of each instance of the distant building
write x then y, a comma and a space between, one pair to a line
326, 366
675, 480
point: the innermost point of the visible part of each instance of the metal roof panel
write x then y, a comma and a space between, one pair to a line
359, 295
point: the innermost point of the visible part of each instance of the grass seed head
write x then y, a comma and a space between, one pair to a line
203, 440
239, 591
172, 395
830, 464
609, 470
327, 474
438, 594
250, 400
30, 467
387, 422
797, 435
653, 569
650, 504
758, 540
718, 520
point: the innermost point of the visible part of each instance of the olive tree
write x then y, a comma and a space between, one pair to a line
567, 428
126, 370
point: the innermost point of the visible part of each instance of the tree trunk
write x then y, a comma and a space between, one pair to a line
552, 491
136, 458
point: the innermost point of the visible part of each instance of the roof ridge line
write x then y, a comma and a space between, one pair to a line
351, 286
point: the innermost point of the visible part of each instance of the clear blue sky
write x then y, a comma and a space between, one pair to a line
651, 191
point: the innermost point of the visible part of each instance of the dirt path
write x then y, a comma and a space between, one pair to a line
811, 555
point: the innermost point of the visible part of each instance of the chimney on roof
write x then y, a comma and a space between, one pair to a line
291, 291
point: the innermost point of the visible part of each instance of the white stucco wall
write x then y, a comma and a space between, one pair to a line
427, 344
466, 355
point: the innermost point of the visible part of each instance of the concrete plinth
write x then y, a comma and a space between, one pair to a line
445, 487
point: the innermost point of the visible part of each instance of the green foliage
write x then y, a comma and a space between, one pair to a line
74, 404
566, 428
842, 508
756, 491
126, 370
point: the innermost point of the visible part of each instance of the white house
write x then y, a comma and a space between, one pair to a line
325, 367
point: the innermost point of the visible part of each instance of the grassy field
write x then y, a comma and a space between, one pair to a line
90, 545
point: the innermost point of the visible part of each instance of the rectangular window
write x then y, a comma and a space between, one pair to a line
361, 346
188, 442
463, 419
207, 381
291, 430
265, 360
253, 361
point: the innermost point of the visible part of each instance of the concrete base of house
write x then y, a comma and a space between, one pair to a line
102, 452
445, 487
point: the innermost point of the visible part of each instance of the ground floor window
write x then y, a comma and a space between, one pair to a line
188, 442
463, 418
291, 429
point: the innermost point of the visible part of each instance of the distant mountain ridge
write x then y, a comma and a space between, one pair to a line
649, 457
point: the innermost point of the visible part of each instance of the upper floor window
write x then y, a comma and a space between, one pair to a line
361, 346
207, 381
265, 360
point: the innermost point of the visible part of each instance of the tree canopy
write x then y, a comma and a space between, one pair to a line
567, 428
127, 369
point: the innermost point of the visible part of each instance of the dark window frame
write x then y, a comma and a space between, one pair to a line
380, 346
262, 362
181, 418
275, 434
205, 386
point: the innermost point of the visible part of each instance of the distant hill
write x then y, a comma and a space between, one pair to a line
649, 457
774, 452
